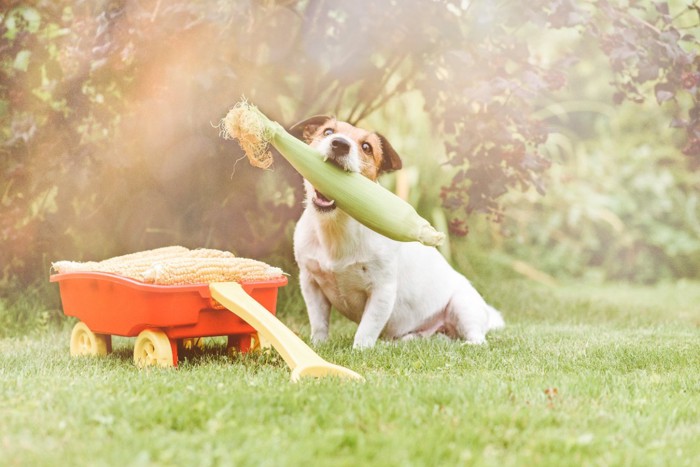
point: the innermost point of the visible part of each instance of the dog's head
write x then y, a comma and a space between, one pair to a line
352, 149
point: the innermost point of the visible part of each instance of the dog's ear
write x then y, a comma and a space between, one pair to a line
304, 129
390, 158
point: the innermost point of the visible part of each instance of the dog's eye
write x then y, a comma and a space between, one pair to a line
328, 132
366, 147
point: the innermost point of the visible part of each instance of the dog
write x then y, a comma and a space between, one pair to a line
396, 290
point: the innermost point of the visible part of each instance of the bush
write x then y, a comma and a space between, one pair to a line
620, 205
106, 108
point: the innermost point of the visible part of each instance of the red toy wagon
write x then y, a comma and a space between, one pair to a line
159, 316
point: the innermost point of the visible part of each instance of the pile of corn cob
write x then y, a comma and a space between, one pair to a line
177, 265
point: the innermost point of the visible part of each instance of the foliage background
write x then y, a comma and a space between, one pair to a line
108, 112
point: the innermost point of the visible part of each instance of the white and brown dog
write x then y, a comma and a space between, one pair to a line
394, 289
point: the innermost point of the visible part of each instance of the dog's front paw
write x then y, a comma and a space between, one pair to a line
363, 343
319, 337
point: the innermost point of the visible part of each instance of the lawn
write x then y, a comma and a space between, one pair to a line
582, 375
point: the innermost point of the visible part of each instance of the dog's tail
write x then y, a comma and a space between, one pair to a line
495, 318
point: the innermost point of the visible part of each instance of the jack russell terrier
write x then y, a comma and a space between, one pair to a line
394, 289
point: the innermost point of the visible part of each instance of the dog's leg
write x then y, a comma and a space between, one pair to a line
467, 312
377, 311
317, 306
495, 318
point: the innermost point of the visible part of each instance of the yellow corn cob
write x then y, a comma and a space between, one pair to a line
130, 265
135, 264
368, 202
163, 252
185, 270
209, 253
63, 267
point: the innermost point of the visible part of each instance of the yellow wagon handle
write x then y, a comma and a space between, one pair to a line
302, 360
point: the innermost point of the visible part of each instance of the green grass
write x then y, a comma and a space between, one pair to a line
582, 375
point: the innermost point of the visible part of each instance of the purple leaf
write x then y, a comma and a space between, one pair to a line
678, 123
664, 92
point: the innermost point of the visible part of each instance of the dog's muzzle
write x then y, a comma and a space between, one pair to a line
339, 148
338, 152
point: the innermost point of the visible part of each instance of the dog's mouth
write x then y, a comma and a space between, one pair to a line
322, 203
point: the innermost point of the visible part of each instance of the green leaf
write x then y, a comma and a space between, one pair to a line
22, 19
53, 31
22, 60
32, 17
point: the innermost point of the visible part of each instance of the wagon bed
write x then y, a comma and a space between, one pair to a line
159, 316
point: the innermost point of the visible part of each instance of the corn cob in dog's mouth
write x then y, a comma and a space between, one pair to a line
366, 201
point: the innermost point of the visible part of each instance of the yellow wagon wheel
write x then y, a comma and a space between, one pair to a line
85, 342
153, 348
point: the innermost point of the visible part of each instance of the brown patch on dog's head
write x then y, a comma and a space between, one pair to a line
390, 158
305, 129
375, 153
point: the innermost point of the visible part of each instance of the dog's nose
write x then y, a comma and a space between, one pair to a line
340, 147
